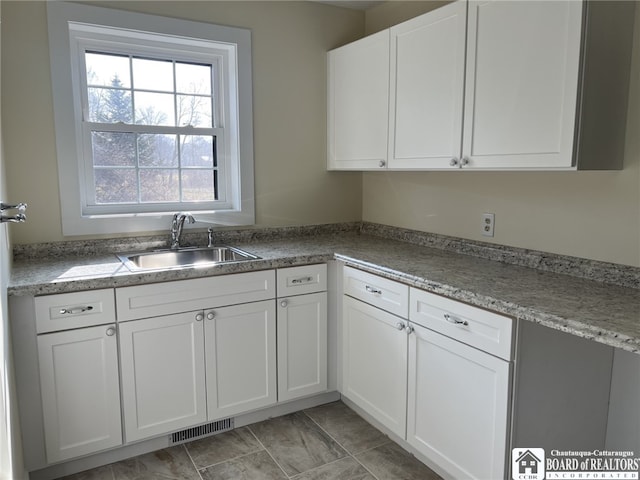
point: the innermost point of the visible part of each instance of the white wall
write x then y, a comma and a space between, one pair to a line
587, 214
10, 444
290, 41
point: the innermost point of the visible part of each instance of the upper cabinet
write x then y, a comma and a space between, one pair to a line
501, 85
427, 87
358, 104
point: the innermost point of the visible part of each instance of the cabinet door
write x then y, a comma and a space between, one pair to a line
522, 79
163, 381
302, 345
358, 104
241, 358
427, 86
80, 391
374, 362
457, 405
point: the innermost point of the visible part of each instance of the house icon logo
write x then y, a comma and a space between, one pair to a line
527, 464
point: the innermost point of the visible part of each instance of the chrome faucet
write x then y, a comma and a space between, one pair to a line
176, 227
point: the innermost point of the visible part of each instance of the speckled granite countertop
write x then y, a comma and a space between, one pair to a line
603, 312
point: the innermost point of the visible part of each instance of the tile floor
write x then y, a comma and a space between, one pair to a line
329, 442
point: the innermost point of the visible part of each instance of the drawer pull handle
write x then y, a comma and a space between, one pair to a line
75, 310
454, 320
296, 281
373, 290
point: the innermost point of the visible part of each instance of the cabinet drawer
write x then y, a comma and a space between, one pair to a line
196, 294
479, 328
301, 280
377, 291
74, 310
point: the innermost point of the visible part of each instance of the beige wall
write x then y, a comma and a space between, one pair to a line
587, 214
290, 40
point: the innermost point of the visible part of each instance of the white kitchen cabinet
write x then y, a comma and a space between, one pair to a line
240, 344
80, 391
358, 104
374, 363
459, 385
485, 84
302, 331
302, 345
457, 405
521, 93
163, 374
427, 87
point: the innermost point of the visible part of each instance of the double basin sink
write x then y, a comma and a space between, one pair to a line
184, 257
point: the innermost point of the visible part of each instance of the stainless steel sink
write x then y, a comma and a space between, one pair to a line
184, 257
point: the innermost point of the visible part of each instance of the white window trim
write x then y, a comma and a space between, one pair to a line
66, 107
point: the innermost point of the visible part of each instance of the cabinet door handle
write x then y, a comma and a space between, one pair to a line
284, 303
410, 330
464, 162
382, 163
111, 331
76, 310
400, 326
454, 320
453, 162
211, 315
373, 290
199, 317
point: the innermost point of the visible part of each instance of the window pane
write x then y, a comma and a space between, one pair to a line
112, 149
154, 109
107, 70
159, 185
192, 78
109, 105
157, 150
194, 110
116, 185
197, 151
197, 186
152, 75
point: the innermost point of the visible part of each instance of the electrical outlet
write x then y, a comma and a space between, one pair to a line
488, 223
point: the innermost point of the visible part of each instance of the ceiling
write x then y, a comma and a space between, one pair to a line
352, 4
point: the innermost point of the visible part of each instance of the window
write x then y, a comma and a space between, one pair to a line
153, 116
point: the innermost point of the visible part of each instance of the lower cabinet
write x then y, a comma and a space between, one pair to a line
240, 345
80, 391
163, 374
184, 369
374, 363
439, 379
302, 345
457, 405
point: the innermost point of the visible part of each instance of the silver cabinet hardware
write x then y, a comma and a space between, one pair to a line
400, 326
19, 217
454, 320
111, 331
199, 317
211, 316
296, 281
209, 237
283, 303
382, 163
76, 310
453, 162
464, 161
410, 330
373, 290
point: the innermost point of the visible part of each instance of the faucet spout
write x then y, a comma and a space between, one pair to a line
177, 223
